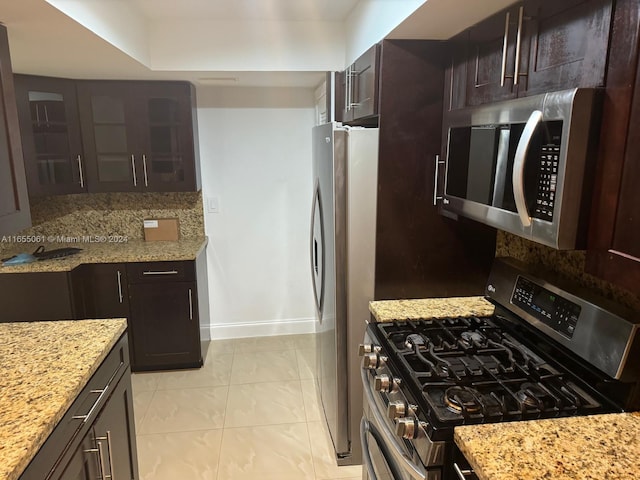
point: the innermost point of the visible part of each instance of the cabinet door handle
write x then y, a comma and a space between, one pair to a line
435, 181
190, 305
348, 89
352, 74
144, 170
164, 272
505, 44
109, 456
516, 71
79, 159
103, 469
120, 286
133, 169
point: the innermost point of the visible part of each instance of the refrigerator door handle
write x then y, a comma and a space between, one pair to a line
317, 248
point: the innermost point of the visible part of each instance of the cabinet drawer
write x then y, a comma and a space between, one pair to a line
161, 272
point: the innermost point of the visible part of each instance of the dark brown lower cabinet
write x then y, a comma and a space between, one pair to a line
106, 290
165, 326
96, 437
112, 428
164, 314
39, 296
104, 451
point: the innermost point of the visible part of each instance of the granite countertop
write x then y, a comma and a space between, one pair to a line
43, 368
389, 310
107, 252
594, 447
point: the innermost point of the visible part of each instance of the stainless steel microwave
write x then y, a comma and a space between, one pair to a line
525, 166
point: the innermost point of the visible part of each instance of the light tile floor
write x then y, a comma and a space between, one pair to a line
250, 413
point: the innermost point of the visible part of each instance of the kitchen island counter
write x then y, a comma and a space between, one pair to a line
389, 310
43, 368
592, 447
108, 252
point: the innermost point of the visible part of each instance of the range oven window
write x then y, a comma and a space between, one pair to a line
480, 166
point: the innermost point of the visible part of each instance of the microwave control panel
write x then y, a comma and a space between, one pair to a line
550, 308
547, 181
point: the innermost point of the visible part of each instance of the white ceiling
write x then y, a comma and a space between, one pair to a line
189, 39
292, 10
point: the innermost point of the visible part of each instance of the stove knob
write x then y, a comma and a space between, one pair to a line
407, 427
365, 348
373, 361
381, 383
396, 409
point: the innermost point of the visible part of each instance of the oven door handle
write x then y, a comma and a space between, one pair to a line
389, 438
519, 162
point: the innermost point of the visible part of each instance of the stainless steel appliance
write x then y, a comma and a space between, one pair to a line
343, 224
525, 165
548, 351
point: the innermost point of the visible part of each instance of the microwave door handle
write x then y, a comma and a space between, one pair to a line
518, 166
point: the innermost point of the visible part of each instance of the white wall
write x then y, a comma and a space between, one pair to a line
370, 21
255, 151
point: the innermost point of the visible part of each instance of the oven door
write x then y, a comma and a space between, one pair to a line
377, 461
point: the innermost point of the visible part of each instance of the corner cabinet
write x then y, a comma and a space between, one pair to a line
533, 47
51, 139
96, 437
14, 201
613, 249
163, 299
139, 136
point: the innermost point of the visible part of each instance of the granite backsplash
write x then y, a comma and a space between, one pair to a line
569, 264
109, 214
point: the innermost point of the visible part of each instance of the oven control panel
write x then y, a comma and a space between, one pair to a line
551, 309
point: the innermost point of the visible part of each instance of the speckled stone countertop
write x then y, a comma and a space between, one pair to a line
105, 252
389, 310
43, 368
595, 447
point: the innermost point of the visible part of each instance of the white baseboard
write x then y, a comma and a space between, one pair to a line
291, 326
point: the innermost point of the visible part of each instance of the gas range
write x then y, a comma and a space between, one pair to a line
530, 360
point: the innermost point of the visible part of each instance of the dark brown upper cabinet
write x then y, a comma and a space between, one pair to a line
613, 252
358, 89
51, 139
532, 47
14, 200
139, 136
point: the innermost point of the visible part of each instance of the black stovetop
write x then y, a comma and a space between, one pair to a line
473, 370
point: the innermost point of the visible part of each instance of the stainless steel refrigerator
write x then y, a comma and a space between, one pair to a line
343, 232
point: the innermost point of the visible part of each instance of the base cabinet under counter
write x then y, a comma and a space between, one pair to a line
164, 318
96, 437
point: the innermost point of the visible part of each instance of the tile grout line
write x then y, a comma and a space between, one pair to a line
224, 420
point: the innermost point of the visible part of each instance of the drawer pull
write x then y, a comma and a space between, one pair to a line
85, 418
102, 392
165, 272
